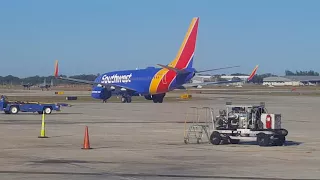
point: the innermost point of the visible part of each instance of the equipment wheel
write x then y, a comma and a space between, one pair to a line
263, 139
215, 138
279, 141
47, 110
14, 110
284, 132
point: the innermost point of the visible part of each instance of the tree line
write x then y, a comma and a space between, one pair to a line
301, 73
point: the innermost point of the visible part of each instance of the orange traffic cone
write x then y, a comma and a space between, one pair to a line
86, 143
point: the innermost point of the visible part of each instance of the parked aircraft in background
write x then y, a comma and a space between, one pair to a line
42, 86
46, 86
152, 83
27, 86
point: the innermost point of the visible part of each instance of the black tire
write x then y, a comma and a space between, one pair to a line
158, 98
263, 139
155, 99
215, 138
129, 99
279, 141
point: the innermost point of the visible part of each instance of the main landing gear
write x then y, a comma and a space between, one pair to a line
158, 98
126, 98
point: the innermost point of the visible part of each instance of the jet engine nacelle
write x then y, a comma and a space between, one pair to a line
100, 93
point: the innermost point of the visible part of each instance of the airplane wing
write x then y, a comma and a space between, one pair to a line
108, 86
253, 73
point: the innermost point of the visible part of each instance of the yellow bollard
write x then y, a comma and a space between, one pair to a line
43, 131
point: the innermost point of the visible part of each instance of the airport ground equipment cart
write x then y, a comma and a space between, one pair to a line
200, 120
13, 107
248, 122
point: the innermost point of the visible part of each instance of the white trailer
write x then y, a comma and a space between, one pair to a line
248, 122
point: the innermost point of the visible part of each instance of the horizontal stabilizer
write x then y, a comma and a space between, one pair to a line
178, 71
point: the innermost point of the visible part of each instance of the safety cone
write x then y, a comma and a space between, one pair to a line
43, 130
86, 143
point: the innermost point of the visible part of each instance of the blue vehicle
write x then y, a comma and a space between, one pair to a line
13, 107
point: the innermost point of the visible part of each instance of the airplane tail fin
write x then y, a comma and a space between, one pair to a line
253, 73
184, 57
56, 69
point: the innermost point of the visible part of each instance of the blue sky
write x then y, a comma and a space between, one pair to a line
104, 35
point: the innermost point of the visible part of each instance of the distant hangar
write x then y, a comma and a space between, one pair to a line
212, 77
292, 81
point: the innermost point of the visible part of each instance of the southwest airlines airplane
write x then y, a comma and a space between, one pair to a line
152, 83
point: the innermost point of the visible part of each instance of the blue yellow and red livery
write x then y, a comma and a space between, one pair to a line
152, 83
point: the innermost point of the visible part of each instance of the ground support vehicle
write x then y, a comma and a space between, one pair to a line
13, 107
248, 122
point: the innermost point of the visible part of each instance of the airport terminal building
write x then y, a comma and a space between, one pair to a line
229, 78
292, 81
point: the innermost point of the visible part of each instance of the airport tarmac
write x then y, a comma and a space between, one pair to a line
145, 141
